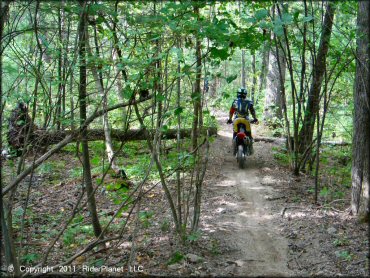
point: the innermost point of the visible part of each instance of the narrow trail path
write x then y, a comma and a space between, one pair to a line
239, 214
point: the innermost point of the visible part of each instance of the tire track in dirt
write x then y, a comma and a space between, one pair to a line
241, 217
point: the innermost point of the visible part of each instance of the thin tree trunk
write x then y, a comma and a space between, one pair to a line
83, 112
119, 84
306, 132
264, 66
98, 77
283, 100
197, 87
65, 39
361, 122
178, 145
121, 74
155, 156
60, 66
243, 68
198, 188
254, 78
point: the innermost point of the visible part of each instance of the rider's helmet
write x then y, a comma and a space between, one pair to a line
242, 93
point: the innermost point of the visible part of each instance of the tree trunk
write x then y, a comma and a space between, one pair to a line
98, 78
254, 78
306, 132
197, 87
121, 73
178, 141
83, 106
243, 68
9, 250
361, 123
264, 66
275, 83
158, 85
45, 138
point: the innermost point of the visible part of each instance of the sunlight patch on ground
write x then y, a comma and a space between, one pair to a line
226, 203
226, 183
303, 214
125, 245
268, 180
256, 187
225, 134
256, 216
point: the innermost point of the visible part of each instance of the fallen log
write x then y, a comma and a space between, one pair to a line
269, 139
44, 138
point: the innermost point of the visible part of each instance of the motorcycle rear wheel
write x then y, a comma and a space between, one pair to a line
240, 157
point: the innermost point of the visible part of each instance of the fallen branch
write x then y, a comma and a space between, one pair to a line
285, 208
268, 198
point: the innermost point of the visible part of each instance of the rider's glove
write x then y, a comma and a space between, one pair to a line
229, 121
254, 121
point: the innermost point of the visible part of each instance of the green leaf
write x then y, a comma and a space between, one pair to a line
278, 30
95, 161
219, 53
164, 128
260, 14
286, 18
195, 96
231, 78
307, 18
127, 92
99, 263
194, 236
225, 95
324, 192
178, 110
160, 97
176, 257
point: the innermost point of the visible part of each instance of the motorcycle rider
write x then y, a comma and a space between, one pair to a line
241, 107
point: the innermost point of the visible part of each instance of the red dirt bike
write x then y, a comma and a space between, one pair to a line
243, 143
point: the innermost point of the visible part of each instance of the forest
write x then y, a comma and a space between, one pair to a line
117, 148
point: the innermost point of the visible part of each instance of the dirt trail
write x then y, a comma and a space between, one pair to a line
240, 216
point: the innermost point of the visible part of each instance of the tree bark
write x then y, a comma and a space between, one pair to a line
10, 253
243, 68
83, 108
178, 141
197, 87
45, 138
254, 78
312, 106
275, 83
264, 66
361, 123
98, 78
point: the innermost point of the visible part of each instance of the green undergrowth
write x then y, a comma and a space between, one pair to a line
334, 171
63, 173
